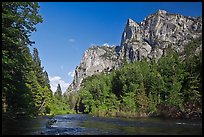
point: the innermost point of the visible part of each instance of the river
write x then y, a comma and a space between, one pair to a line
84, 124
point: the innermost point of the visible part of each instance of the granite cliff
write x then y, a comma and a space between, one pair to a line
147, 39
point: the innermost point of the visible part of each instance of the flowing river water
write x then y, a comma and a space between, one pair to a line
84, 124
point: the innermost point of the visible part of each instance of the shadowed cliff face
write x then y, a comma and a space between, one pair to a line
148, 39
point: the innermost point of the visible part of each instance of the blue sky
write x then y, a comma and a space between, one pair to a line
70, 28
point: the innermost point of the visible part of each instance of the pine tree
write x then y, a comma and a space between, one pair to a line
58, 92
47, 81
38, 69
43, 95
18, 22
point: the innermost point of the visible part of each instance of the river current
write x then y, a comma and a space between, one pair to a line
84, 124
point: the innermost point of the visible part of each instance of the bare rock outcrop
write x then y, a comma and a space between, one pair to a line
147, 39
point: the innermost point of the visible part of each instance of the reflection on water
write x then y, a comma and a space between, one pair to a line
23, 126
83, 124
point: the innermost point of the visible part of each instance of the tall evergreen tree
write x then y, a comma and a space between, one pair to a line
58, 92
47, 79
36, 58
25, 86
43, 95
18, 22
37, 67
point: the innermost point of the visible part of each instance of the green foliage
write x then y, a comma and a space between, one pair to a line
87, 100
42, 96
135, 89
18, 21
59, 106
141, 88
129, 102
58, 92
26, 88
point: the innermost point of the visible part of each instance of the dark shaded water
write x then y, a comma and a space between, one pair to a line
83, 124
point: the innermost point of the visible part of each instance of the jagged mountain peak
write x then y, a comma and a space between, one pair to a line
131, 23
161, 11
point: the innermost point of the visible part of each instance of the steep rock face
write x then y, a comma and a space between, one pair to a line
147, 39
152, 36
95, 60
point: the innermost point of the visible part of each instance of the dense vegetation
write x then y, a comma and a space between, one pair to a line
59, 103
25, 85
171, 87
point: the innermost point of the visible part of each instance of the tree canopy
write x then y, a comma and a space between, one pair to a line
25, 84
170, 87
